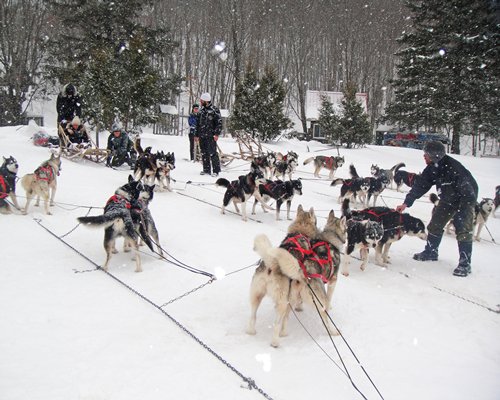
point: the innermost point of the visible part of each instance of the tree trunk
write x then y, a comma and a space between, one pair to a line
455, 141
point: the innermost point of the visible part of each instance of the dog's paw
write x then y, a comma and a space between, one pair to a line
114, 251
275, 343
251, 331
345, 273
477, 239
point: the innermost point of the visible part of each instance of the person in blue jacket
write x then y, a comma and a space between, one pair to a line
192, 129
457, 191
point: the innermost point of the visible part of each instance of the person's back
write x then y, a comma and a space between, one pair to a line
68, 104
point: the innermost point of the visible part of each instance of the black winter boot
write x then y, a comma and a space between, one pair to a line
465, 251
430, 252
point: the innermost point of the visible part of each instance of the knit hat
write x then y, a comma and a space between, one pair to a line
195, 105
70, 90
116, 127
75, 121
435, 150
206, 97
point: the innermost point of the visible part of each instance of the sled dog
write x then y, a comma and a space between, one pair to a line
404, 177
143, 219
240, 190
496, 200
281, 192
8, 177
331, 163
288, 278
389, 173
117, 221
395, 226
42, 183
266, 163
286, 165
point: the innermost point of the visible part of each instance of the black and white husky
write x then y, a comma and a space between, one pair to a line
287, 164
404, 177
117, 221
240, 190
353, 188
395, 225
361, 235
389, 173
143, 219
483, 210
377, 186
281, 192
8, 176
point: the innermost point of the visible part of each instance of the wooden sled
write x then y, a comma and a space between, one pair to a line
73, 151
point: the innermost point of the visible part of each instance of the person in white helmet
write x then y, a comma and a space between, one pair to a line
208, 129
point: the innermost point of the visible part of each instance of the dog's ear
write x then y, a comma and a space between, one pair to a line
130, 179
300, 210
331, 215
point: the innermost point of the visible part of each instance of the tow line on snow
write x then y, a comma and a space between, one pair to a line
249, 381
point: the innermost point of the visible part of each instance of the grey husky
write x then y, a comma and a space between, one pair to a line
117, 221
330, 163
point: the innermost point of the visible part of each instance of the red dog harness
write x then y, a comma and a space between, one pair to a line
116, 198
44, 173
3, 187
306, 249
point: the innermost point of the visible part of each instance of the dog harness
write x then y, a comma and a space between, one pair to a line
3, 188
118, 199
44, 173
304, 249
411, 178
379, 218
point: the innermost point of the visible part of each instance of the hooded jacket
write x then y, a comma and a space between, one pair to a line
453, 181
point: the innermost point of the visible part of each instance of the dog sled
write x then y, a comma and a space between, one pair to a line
78, 151
249, 148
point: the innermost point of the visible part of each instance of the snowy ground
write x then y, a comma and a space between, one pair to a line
69, 331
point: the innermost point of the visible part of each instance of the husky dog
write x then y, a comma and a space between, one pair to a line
286, 165
166, 163
496, 200
389, 173
352, 188
266, 163
281, 192
240, 190
377, 186
408, 178
395, 225
143, 219
482, 210
117, 221
363, 235
286, 276
42, 183
8, 176
330, 163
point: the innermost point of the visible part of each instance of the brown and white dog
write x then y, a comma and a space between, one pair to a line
289, 278
42, 183
330, 163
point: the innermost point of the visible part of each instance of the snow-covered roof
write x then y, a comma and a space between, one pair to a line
313, 102
168, 109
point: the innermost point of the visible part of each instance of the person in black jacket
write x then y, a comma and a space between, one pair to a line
208, 129
457, 191
68, 104
192, 129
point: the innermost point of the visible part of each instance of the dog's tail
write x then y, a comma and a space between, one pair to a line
222, 182
397, 166
27, 182
137, 146
353, 172
98, 221
433, 197
346, 210
337, 181
277, 258
307, 161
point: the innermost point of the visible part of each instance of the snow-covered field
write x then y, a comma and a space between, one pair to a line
70, 331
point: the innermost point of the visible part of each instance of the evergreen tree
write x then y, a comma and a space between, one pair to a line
112, 59
245, 108
355, 129
258, 106
329, 121
448, 75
